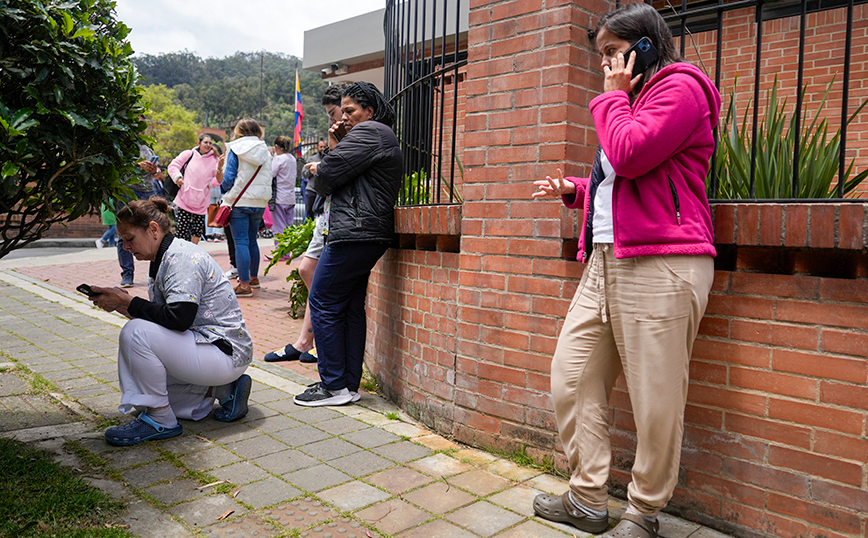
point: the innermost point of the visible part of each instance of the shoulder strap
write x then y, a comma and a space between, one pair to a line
240, 194
184, 168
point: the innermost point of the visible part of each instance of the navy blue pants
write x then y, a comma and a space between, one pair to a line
337, 311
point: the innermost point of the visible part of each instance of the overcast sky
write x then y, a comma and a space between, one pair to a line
219, 28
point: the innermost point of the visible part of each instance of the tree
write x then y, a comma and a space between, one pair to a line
69, 113
172, 126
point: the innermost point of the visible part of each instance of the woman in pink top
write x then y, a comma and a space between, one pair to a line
648, 243
194, 187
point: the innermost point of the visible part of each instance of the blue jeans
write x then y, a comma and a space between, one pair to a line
244, 222
109, 235
337, 311
125, 258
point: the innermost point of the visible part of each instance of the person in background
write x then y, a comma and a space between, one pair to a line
248, 169
194, 171
303, 348
142, 182
310, 195
184, 347
109, 237
284, 170
648, 242
360, 176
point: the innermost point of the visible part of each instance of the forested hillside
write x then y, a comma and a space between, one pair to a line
223, 90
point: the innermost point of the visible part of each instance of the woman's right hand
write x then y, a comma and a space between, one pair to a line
180, 181
553, 187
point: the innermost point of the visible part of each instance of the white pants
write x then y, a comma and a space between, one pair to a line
159, 367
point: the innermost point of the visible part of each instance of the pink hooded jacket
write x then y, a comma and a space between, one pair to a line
660, 150
199, 176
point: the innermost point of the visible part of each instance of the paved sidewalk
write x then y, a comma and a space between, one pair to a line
359, 470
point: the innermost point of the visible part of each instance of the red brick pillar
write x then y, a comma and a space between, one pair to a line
531, 74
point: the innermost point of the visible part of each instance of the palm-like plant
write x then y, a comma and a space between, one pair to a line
776, 137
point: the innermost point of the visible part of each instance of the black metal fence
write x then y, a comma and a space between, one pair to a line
690, 19
425, 51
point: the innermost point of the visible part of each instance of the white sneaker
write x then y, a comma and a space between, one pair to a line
316, 395
231, 273
355, 395
99, 243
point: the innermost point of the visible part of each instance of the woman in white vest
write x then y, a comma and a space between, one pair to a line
247, 184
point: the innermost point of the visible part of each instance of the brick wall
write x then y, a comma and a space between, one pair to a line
464, 316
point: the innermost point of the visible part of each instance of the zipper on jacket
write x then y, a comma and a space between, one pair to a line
675, 199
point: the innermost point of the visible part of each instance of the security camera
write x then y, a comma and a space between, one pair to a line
326, 71
335, 67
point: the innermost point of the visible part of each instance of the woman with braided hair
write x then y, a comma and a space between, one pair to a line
360, 177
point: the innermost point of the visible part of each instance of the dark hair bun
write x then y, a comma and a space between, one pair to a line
160, 203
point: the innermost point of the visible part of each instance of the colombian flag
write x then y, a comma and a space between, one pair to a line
299, 114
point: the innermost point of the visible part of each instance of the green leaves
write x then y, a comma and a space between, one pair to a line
818, 155
69, 110
292, 241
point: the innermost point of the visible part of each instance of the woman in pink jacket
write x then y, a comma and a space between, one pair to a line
195, 172
648, 242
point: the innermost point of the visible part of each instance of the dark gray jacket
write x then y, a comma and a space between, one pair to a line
362, 174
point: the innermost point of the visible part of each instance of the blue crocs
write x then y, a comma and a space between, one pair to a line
140, 430
235, 406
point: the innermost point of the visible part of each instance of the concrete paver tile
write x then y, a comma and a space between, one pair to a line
705, 532
353, 495
284, 406
547, 483
258, 412
97, 445
209, 459
361, 463
109, 377
256, 446
185, 444
399, 479
228, 434
302, 435
480, 482
12, 384
312, 415
438, 465
672, 527
402, 451
240, 473
405, 429
110, 410
136, 455
145, 520
286, 461
249, 525
106, 368
436, 529
109, 400
518, 499
139, 477
512, 471
304, 513
474, 456
370, 437
48, 367
329, 449
341, 425
273, 423
89, 391
436, 442
484, 518
267, 492
317, 478
439, 498
174, 492
207, 424
64, 374
204, 511
532, 529
393, 516
268, 395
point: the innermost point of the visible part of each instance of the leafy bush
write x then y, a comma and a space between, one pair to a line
818, 154
69, 113
292, 242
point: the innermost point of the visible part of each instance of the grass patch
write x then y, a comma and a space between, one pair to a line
525, 460
41, 498
392, 415
369, 382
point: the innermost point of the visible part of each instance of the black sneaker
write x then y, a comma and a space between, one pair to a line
316, 395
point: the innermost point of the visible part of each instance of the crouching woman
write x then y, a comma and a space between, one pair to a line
186, 346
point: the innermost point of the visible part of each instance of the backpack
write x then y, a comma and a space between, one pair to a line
169, 184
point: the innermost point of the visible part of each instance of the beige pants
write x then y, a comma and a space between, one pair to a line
639, 316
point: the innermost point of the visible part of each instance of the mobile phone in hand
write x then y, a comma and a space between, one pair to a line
85, 289
646, 54
155, 159
340, 130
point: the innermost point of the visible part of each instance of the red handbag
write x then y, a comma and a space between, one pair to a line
222, 218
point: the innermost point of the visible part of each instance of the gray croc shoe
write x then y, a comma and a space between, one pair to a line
560, 508
633, 526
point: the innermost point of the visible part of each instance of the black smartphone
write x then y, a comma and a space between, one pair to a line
340, 131
85, 289
646, 54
